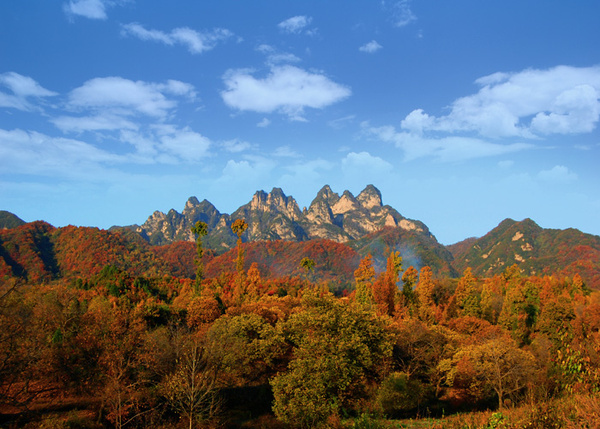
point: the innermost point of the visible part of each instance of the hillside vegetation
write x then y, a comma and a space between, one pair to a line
101, 329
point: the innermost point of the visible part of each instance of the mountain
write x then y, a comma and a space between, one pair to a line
38, 252
27, 252
275, 216
9, 220
161, 228
536, 250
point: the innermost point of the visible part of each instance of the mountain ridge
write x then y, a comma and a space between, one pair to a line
536, 250
362, 223
37, 251
276, 216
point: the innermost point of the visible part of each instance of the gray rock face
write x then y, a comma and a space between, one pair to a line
275, 216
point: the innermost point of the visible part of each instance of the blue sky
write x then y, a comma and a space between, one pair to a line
462, 113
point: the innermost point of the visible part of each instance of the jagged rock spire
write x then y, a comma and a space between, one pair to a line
370, 197
274, 216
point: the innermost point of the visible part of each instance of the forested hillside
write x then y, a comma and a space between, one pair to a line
9, 220
535, 250
100, 329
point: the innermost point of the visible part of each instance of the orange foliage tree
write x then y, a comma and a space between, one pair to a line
385, 289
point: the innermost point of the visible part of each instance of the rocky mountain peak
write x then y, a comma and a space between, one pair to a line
274, 201
259, 201
157, 216
192, 202
328, 195
276, 198
370, 197
275, 216
345, 204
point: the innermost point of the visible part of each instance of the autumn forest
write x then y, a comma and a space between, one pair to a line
100, 329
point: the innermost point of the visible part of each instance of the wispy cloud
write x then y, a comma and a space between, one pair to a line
97, 122
22, 88
295, 24
445, 149
286, 152
275, 57
286, 89
237, 146
340, 123
195, 41
401, 12
23, 152
370, 47
265, 122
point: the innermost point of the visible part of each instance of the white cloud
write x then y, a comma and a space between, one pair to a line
417, 121
236, 145
401, 13
560, 100
274, 57
186, 145
370, 47
265, 122
21, 87
364, 162
557, 174
295, 24
176, 87
123, 94
281, 58
265, 49
574, 110
92, 9
117, 105
112, 97
138, 30
146, 150
238, 170
286, 89
93, 123
196, 42
361, 168
166, 144
446, 149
